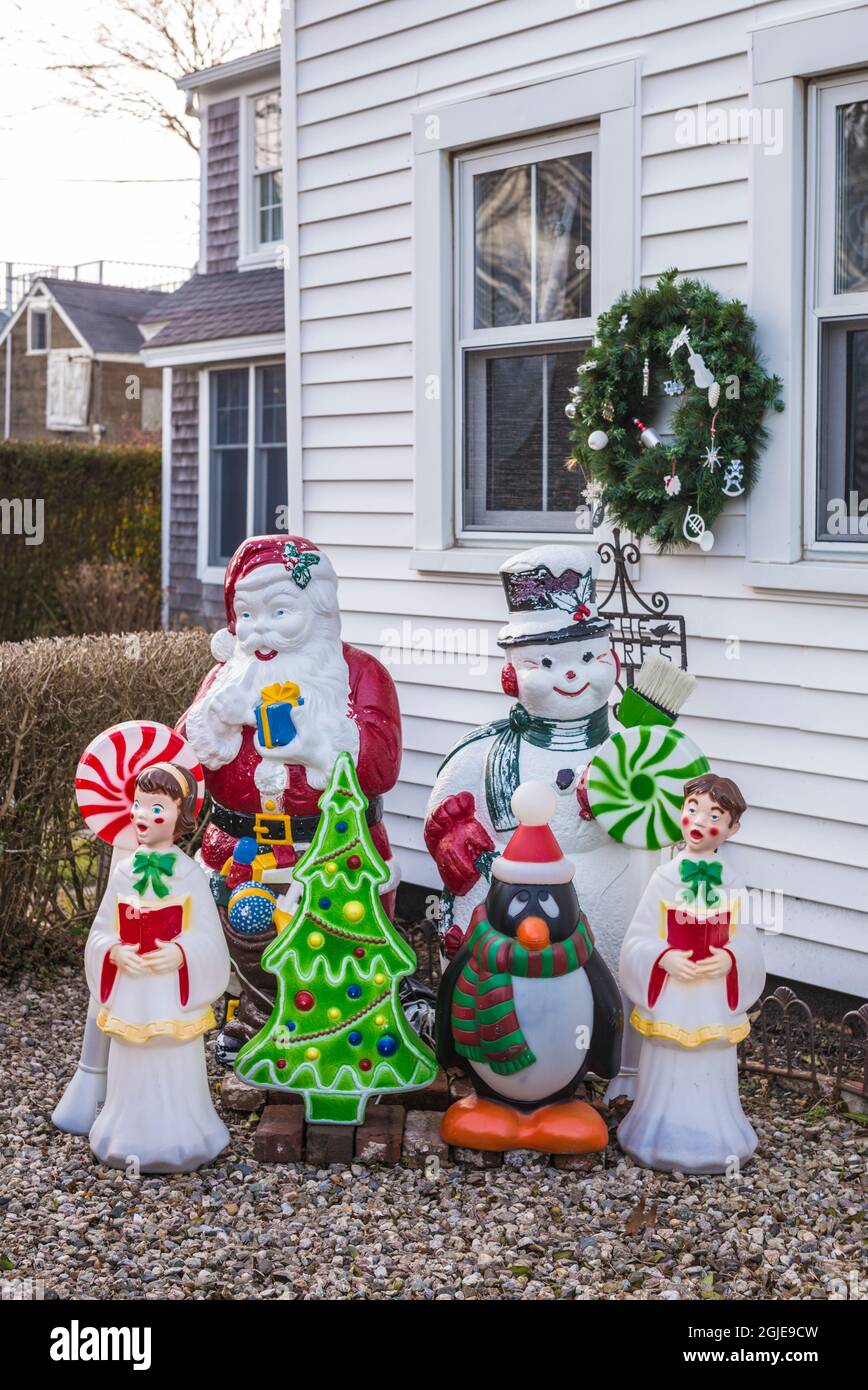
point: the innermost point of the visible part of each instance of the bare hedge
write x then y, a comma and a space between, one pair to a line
57, 693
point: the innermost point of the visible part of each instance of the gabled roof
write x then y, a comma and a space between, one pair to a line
105, 317
227, 304
231, 70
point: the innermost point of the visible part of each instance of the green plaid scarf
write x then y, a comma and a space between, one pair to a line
485, 1026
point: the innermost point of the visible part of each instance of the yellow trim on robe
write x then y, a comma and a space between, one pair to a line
693, 1037
159, 1028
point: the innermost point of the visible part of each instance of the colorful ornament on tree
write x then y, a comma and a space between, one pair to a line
718, 338
345, 957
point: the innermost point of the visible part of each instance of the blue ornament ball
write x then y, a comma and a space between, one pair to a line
354, 991
251, 909
355, 1038
341, 827
325, 904
387, 1046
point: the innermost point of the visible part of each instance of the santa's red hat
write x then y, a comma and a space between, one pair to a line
533, 855
274, 556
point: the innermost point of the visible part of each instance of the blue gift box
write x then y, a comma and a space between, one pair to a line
274, 721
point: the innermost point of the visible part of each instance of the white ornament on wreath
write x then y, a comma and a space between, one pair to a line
711, 458
713, 395
673, 388
695, 530
598, 439
733, 478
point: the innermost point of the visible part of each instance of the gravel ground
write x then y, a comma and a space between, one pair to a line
788, 1228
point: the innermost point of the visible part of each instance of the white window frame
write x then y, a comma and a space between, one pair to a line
251, 252
554, 331
208, 573
605, 97
786, 57
823, 305
44, 308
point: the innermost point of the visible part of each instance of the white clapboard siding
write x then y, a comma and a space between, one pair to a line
780, 702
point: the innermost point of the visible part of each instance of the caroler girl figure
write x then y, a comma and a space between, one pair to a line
692, 961
156, 959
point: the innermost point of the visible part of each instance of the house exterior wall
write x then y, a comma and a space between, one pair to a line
222, 155
111, 405
783, 710
185, 589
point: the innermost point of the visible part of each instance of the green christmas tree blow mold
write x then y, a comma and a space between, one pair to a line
338, 1033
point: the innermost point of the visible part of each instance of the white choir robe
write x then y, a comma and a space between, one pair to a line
687, 1113
158, 1112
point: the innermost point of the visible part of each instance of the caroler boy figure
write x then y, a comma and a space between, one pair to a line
693, 964
155, 960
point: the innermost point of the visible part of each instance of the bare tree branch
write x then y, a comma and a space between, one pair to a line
133, 59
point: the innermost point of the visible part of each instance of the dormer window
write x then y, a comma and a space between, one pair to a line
37, 328
267, 173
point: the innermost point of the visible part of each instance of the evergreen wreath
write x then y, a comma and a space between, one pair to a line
678, 339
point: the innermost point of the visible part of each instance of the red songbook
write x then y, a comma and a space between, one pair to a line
144, 925
696, 934
684, 932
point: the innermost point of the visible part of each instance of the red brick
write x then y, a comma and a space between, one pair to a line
235, 1094
378, 1140
327, 1144
280, 1134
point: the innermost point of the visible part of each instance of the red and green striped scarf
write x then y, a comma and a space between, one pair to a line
485, 1026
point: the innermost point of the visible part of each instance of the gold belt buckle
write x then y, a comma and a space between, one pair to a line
271, 829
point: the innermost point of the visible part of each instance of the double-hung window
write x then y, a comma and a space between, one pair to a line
525, 280
267, 172
837, 318
246, 455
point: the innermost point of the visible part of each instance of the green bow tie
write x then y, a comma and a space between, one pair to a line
700, 875
152, 868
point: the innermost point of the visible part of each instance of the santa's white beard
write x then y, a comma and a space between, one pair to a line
319, 670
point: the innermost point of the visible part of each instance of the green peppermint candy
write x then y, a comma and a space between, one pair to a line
636, 784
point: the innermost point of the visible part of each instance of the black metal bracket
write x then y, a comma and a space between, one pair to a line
639, 626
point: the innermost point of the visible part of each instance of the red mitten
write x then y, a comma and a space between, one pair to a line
455, 840
452, 942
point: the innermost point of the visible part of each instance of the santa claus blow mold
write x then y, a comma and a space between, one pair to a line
286, 697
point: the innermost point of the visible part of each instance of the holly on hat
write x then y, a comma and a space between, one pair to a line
551, 593
276, 556
533, 855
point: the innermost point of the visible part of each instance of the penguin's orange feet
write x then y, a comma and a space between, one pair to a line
572, 1127
476, 1123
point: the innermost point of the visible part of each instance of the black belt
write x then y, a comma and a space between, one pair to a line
239, 823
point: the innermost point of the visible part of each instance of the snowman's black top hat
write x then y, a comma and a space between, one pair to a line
551, 593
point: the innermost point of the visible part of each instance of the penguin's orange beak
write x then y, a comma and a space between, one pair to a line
533, 933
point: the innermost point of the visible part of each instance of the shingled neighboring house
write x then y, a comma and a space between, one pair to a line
71, 364
220, 342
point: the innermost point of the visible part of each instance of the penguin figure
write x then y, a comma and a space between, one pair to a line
528, 1005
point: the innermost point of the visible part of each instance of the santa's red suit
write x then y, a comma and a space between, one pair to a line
283, 624
374, 705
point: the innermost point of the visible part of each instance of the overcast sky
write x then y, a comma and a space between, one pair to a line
65, 194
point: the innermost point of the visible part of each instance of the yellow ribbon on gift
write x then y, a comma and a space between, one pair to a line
286, 693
